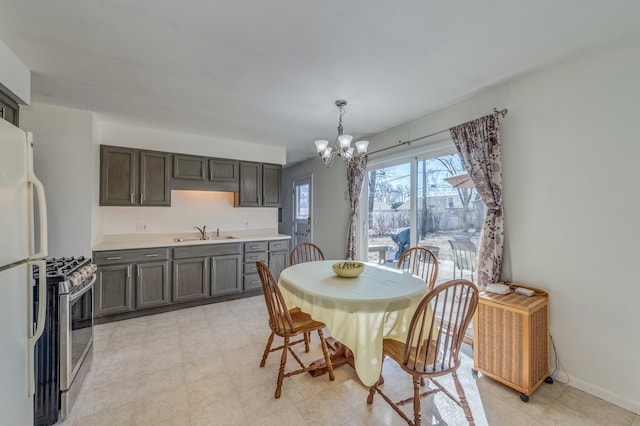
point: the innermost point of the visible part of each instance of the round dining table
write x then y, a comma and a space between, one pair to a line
359, 312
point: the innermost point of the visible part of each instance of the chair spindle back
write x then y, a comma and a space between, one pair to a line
453, 304
279, 318
305, 252
422, 262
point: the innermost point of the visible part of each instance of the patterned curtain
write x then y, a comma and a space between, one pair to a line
478, 143
355, 176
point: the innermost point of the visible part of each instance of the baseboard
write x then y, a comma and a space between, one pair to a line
619, 400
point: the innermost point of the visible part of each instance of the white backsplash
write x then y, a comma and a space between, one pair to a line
188, 209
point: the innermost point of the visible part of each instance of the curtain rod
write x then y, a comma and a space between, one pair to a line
501, 112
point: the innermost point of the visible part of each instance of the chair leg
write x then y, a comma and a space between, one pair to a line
417, 407
327, 358
463, 400
267, 349
307, 338
283, 362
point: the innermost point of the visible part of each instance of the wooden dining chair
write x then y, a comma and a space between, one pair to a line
431, 351
288, 323
305, 252
422, 262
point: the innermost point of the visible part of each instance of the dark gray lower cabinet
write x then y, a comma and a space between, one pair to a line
113, 290
190, 279
138, 279
152, 284
116, 285
278, 260
278, 257
225, 274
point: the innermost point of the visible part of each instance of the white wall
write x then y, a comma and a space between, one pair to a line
570, 141
14, 75
330, 215
163, 140
63, 154
188, 208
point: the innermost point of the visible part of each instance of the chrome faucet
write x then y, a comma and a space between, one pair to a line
203, 232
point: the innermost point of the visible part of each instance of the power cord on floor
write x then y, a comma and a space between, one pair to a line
558, 363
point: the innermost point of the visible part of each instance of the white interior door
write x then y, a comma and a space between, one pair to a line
302, 210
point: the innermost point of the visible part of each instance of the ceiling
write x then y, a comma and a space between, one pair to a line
269, 72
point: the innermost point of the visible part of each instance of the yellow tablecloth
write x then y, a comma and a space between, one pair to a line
358, 312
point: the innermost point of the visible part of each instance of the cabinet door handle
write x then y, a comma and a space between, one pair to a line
151, 255
254, 257
2, 112
141, 198
210, 174
255, 247
255, 282
137, 270
114, 258
202, 172
131, 197
128, 272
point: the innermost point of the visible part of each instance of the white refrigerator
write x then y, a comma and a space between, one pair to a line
19, 191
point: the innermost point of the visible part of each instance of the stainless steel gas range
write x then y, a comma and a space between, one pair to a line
64, 352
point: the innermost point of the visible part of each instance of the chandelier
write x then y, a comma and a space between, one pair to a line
342, 146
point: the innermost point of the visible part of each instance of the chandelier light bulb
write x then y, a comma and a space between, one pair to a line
362, 146
321, 146
345, 141
327, 153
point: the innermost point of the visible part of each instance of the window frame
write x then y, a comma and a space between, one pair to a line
411, 156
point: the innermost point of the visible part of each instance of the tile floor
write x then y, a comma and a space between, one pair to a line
199, 366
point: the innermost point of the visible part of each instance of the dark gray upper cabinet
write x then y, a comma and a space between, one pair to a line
189, 167
271, 185
260, 185
250, 193
131, 177
9, 109
118, 176
223, 170
203, 173
154, 179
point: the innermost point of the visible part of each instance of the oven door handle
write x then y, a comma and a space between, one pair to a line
75, 296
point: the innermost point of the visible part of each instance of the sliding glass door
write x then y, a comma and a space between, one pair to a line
426, 201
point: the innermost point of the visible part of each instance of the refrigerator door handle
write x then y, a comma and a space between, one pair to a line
42, 306
42, 203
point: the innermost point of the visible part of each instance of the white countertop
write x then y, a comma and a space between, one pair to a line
141, 240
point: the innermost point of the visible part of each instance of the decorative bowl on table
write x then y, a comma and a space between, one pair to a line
348, 269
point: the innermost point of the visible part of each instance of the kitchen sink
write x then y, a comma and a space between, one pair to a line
213, 238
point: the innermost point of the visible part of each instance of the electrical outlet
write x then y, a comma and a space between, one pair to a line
142, 227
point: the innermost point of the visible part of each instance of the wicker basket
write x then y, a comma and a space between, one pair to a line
511, 339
